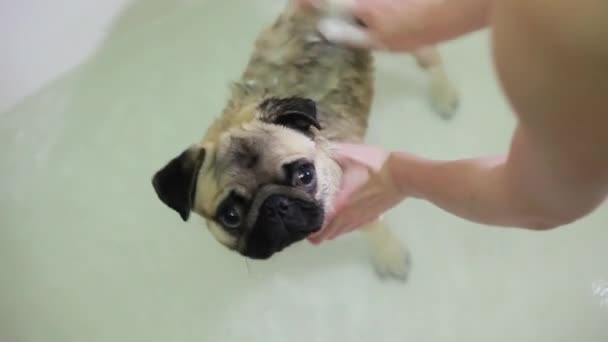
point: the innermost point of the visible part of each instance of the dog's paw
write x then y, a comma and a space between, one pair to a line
392, 261
445, 99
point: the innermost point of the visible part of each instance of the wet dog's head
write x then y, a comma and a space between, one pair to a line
263, 177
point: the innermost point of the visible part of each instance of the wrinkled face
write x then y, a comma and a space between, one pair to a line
262, 184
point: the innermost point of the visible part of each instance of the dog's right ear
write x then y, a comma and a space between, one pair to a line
297, 113
175, 183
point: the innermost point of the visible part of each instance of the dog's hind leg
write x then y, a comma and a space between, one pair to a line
389, 255
444, 97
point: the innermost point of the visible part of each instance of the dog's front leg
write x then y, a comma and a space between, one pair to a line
388, 254
444, 96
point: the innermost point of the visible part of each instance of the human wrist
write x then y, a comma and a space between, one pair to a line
404, 170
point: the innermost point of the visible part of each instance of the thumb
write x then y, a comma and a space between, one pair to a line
353, 178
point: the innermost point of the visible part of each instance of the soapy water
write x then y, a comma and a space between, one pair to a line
599, 290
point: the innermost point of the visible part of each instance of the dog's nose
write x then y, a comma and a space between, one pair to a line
277, 206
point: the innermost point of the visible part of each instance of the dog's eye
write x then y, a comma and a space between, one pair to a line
301, 173
230, 216
304, 175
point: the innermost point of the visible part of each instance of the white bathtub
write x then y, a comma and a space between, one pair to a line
89, 254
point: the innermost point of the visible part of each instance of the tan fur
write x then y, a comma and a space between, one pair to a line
290, 58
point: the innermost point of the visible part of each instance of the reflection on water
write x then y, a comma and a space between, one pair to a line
600, 291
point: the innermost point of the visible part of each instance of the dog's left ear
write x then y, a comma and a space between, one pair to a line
294, 112
175, 183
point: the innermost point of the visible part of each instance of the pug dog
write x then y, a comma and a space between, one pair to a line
263, 177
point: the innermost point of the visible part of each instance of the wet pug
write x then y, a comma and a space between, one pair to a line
263, 176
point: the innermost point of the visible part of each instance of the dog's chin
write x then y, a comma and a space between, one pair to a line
271, 234
267, 250
263, 253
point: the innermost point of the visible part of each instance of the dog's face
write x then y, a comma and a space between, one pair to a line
263, 179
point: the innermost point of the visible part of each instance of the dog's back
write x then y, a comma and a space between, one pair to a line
291, 58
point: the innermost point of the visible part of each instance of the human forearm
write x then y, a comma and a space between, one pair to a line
521, 190
404, 25
449, 19
473, 189
557, 168
555, 77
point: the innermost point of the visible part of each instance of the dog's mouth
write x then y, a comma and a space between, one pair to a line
280, 216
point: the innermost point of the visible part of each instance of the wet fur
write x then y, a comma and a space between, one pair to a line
244, 149
290, 58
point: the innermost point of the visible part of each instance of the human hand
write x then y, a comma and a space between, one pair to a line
382, 24
368, 190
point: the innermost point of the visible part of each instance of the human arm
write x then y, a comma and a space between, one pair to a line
552, 62
412, 24
523, 190
406, 25
556, 171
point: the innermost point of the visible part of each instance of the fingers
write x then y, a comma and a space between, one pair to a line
348, 155
344, 32
336, 224
344, 223
353, 22
333, 226
334, 229
339, 27
354, 177
358, 163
